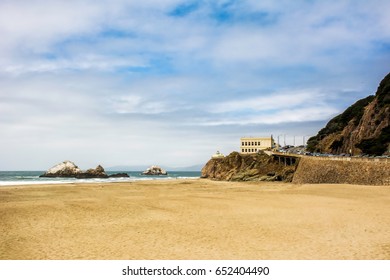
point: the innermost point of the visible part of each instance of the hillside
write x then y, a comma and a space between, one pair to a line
363, 128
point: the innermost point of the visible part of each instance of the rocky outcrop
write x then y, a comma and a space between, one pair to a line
63, 169
98, 172
71, 170
119, 175
155, 171
363, 128
248, 167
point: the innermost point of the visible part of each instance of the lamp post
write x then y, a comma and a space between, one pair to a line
279, 141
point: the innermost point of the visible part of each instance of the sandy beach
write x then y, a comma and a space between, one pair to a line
194, 219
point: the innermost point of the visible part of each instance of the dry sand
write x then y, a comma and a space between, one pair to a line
194, 219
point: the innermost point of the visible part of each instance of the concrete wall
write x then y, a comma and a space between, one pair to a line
316, 170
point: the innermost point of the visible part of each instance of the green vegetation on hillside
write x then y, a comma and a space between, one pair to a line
383, 92
338, 123
379, 112
376, 146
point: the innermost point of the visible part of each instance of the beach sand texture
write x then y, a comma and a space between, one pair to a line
194, 219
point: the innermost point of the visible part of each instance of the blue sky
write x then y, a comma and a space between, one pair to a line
170, 82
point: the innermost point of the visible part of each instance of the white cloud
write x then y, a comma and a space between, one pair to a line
281, 116
89, 62
133, 104
267, 102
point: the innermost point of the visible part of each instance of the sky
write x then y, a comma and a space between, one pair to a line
171, 82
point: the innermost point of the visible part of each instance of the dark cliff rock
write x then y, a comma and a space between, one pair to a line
363, 128
119, 175
250, 167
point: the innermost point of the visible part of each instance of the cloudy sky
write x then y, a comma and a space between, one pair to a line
169, 82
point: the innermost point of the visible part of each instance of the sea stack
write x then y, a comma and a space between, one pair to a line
154, 170
63, 169
70, 170
98, 172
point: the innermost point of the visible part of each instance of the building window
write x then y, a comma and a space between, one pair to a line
242, 150
242, 144
252, 143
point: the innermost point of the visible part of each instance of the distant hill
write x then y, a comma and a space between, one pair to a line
143, 167
197, 167
364, 127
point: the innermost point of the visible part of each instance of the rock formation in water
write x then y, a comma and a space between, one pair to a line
70, 170
247, 167
154, 170
98, 172
363, 128
63, 169
119, 175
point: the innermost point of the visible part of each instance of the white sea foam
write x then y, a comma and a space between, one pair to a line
32, 178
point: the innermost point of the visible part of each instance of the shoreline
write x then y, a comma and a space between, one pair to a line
82, 182
16, 178
194, 219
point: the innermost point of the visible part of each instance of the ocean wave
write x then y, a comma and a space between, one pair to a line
44, 181
15, 178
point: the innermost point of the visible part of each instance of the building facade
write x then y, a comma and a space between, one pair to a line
250, 145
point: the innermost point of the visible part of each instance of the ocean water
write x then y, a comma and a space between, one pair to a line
8, 178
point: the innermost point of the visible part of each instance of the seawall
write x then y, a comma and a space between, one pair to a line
317, 170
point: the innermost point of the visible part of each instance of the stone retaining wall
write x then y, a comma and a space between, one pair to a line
339, 170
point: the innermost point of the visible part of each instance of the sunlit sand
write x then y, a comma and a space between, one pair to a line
194, 219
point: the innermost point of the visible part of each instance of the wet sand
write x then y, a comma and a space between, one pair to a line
194, 219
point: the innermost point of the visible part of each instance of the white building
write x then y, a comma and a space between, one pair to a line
218, 155
251, 145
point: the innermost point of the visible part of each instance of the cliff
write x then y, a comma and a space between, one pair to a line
364, 127
249, 167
